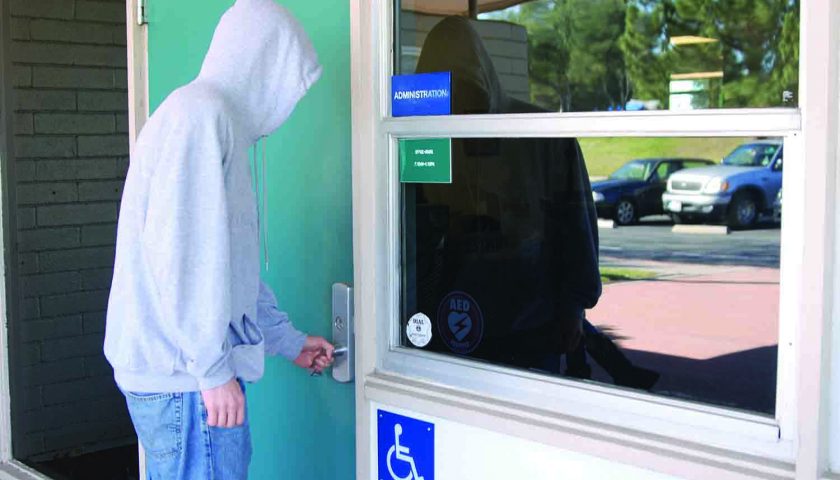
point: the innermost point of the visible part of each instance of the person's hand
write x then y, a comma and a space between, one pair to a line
225, 405
317, 354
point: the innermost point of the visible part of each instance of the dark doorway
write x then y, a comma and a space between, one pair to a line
65, 113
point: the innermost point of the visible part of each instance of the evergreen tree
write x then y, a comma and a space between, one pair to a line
576, 62
645, 49
587, 55
758, 43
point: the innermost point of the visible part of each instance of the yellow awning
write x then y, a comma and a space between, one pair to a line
456, 7
691, 40
696, 75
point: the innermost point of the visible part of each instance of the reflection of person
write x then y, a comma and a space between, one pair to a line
515, 233
189, 319
610, 357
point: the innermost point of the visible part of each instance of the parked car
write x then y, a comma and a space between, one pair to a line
736, 192
777, 208
635, 190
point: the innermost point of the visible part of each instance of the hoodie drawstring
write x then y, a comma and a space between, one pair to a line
259, 191
265, 203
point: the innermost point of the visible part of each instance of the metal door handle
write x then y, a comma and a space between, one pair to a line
343, 333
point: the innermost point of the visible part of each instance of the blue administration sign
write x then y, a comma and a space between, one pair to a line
421, 94
406, 447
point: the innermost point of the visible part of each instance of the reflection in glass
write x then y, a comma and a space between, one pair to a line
753, 154
518, 210
502, 259
635, 170
606, 55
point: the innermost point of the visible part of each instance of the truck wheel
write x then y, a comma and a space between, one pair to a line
625, 212
743, 211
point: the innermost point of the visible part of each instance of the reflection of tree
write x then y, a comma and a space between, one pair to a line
645, 49
576, 61
785, 76
758, 45
594, 54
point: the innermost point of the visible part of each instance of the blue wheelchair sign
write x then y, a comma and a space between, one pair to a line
406, 447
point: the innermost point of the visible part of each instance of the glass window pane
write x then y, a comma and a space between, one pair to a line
533, 234
604, 55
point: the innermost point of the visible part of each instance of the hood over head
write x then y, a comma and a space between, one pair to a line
454, 46
263, 60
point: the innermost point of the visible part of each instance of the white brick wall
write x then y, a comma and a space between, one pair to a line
70, 157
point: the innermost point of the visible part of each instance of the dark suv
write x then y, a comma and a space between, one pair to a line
635, 190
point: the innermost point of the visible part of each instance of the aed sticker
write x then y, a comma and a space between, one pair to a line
419, 330
460, 322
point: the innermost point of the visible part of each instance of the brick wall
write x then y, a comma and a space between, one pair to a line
70, 157
507, 44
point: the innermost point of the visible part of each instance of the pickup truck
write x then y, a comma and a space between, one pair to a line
737, 191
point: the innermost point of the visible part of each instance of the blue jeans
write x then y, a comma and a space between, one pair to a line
172, 427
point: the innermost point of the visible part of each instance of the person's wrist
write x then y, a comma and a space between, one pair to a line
295, 346
217, 379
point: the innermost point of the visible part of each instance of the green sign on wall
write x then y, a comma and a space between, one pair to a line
426, 160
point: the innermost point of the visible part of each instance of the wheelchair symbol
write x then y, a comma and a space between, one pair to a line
403, 454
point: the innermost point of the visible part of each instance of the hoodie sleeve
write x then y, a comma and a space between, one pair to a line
187, 246
572, 223
281, 337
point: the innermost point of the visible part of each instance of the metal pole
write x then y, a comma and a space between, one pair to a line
473, 8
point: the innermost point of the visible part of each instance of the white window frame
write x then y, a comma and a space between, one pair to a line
669, 435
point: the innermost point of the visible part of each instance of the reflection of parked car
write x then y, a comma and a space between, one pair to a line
635, 190
777, 208
737, 191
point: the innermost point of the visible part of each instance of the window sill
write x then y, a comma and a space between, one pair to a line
14, 470
633, 447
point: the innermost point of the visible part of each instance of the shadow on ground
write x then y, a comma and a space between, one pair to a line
743, 380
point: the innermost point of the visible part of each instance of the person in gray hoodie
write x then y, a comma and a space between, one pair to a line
189, 320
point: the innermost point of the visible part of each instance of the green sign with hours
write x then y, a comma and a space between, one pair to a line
426, 160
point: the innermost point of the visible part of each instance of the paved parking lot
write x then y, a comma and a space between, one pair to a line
652, 239
707, 322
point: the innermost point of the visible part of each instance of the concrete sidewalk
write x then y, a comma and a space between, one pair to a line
711, 333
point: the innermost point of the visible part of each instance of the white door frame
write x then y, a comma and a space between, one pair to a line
137, 36
821, 125
138, 70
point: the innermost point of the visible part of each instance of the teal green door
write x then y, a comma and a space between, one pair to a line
303, 427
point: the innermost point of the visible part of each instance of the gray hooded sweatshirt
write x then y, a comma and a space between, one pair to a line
187, 310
